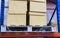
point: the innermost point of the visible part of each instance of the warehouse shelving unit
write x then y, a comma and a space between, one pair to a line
33, 34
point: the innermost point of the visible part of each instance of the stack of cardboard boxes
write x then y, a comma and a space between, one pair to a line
17, 12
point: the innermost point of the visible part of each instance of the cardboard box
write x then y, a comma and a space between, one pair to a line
16, 20
17, 12
55, 25
38, 19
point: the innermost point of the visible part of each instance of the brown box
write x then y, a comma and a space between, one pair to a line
17, 12
55, 25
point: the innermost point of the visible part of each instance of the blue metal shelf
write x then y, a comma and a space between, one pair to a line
58, 14
2, 12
